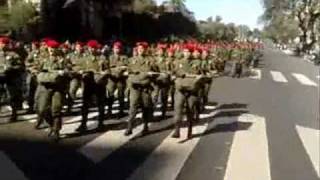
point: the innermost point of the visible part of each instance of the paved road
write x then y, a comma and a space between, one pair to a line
261, 127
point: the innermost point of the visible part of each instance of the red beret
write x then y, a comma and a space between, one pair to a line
93, 44
52, 44
4, 40
143, 44
117, 44
189, 47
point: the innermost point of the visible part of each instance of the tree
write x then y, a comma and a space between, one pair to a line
300, 15
17, 16
178, 3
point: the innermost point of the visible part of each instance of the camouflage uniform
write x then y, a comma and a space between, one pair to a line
117, 81
75, 83
162, 84
32, 64
139, 83
94, 80
14, 68
51, 93
187, 93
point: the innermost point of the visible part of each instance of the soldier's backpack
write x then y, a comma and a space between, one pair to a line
48, 78
189, 84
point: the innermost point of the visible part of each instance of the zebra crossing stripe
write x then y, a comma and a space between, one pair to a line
245, 165
278, 77
101, 147
9, 171
304, 80
310, 139
256, 74
167, 160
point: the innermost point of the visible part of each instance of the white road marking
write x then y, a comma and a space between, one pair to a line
278, 77
256, 74
318, 77
249, 156
9, 171
304, 80
311, 138
167, 160
102, 146
71, 127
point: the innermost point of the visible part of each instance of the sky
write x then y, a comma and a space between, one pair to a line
236, 11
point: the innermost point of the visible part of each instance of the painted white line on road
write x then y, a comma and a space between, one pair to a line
71, 127
256, 74
9, 171
310, 139
168, 159
249, 156
304, 80
278, 77
102, 146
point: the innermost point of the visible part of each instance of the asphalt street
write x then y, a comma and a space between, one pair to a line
263, 126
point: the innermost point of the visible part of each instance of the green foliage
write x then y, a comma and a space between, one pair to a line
217, 30
19, 16
144, 6
4, 19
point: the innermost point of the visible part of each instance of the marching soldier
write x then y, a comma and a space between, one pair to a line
206, 68
76, 78
237, 63
13, 70
32, 65
162, 84
95, 73
140, 88
187, 90
117, 81
170, 61
52, 86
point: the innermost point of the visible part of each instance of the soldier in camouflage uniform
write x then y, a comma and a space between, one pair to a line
95, 72
51, 90
206, 69
76, 78
187, 90
162, 84
170, 60
117, 81
13, 69
32, 64
139, 83
237, 55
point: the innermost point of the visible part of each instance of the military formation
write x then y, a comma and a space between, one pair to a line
48, 75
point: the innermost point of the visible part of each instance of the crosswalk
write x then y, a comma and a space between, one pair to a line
249, 147
283, 78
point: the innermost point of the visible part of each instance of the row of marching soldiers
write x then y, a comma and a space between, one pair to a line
55, 72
